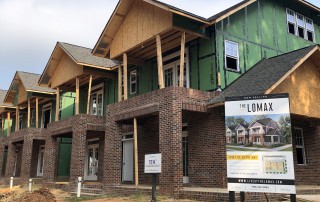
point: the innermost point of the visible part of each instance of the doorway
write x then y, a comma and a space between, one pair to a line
127, 158
40, 161
92, 160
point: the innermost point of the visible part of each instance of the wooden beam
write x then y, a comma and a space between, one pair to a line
135, 138
57, 104
37, 112
2, 123
182, 51
29, 113
125, 75
77, 95
17, 119
98, 72
159, 61
119, 84
135, 61
89, 94
9, 127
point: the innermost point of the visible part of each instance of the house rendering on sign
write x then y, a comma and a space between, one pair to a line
155, 82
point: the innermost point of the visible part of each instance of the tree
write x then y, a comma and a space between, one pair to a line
285, 126
259, 117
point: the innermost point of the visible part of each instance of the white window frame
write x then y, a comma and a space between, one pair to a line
133, 91
297, 25
299, 146
101, 85
174, 65
231, 56
46, 107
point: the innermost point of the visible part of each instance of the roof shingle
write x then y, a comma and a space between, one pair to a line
30, 82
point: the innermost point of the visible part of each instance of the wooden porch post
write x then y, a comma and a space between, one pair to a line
119, 84
125, 76
9, 127
77, 95
29, 113
37, 112
2, 123
17, 118
183, 41
135, 138
57, 104
159, 61
89, 94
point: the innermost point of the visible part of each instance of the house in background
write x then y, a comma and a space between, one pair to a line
242, 133
231, 134
264, 132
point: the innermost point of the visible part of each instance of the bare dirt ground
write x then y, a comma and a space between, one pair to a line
41, 194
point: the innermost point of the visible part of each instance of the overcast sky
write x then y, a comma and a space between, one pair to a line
29, 29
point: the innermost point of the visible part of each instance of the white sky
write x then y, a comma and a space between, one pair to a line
29, 29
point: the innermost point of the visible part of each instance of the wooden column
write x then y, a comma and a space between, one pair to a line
57, 104
159, 61
135, 139
29, 112
119, 84
182, 51
37, 112
9, 127
77, 95
125, 76
89, 94
2, 123
17, 118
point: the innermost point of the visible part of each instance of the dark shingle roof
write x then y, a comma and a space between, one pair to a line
264, 121
83, 55
2, 96
272, 131
263, 75
30, 82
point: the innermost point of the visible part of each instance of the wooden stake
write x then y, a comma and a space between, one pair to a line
57, 104
29, 113
125, 75
135, 139
89, 94
37, 112
17, 119
183, 41
2, 123
77, 95
119, 84
159, 61
9, 127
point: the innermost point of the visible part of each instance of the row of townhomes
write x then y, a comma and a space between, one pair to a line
156, 82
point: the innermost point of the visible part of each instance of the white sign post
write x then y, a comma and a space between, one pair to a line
152, 165
259, 144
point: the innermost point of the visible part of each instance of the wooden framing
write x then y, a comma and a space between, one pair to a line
159, 62
135, 139
89, 94
77, 95
119, 84
58, 104
2, 123
9, 127
17, 118
125, 76
37, 112
182, 51
29, 113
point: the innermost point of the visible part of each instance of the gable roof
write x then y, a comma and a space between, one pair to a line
264, 122
2, 96
30, 82
262, 77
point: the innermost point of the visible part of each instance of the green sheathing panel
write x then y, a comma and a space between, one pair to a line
4, 162
5, 127
67, 105
260, 30
64, 157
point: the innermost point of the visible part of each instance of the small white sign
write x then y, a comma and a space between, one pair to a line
152, 163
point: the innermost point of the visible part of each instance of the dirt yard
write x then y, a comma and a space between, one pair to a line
41, 194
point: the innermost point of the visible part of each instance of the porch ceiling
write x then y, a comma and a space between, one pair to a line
148, 49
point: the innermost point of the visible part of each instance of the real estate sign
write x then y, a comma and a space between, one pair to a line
152, 163
259, 144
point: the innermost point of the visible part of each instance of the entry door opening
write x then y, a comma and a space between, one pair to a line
185, 150
127, 158
40, 161
46, 115
92, 160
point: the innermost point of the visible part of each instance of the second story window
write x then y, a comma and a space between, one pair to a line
300, 25
133, 82
231, 55
96, 100
46, 115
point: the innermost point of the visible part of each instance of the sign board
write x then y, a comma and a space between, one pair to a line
152, 163
259, 144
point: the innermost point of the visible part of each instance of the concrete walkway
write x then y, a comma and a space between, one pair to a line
313, 198
260, 149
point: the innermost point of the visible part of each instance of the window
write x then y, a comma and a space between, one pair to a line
96, 100
171, 70
231, 55
133, 82
300, 25
300, 150
46, 115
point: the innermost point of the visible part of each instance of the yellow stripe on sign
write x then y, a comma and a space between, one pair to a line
242, 157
